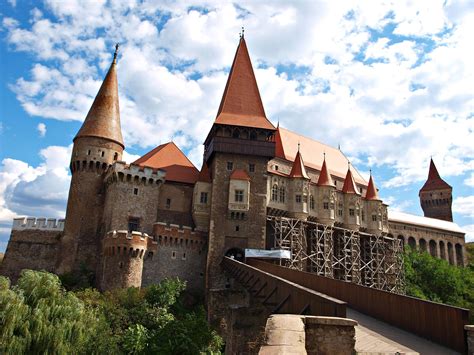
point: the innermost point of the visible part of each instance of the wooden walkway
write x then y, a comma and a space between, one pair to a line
376, 337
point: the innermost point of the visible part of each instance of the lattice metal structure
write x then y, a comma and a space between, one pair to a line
339, 253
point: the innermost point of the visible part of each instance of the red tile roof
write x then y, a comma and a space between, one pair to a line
372, 193
241, 104
287, 145
298, 170
204, 174
349, 184
239, 174
171, 159
434, 181
324, 176
103, 119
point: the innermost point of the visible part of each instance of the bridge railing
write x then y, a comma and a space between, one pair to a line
440, 323
283, 296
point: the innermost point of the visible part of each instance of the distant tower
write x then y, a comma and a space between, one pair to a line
96, 146
436, 196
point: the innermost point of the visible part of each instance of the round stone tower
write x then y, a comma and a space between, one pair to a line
122, 259
97, 145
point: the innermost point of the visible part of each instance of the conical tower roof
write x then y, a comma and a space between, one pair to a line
372, 193
103, 119
324, 176
241, 104
298, 170
349, 184
434, 181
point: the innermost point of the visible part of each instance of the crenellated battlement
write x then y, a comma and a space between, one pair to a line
123, 242
175, 235
91, 165
121, 171
32, 223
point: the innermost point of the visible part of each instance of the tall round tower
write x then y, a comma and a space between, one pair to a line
97, 145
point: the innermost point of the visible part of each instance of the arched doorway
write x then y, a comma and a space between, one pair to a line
432, 245
450, 253
442, 250
412, 242
459, 255
422, 245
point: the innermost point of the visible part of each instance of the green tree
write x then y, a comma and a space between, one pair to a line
38, 316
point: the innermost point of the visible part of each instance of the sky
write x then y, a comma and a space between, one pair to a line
391, 82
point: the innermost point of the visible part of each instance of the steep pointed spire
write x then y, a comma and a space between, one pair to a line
372, 193
434, 181
103, 119
324, 176
241, 104
349, 184
298, 170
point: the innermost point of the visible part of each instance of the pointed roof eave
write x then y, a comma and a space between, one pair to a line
372, 193
103, 118
324, 176
298, 169
204, 174
349, 184
434, 181
241, 103
239, 174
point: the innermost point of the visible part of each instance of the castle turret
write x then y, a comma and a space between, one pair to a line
327, 196
122, 259
97, 145
299, 185
436, 196
351, 202
375, 209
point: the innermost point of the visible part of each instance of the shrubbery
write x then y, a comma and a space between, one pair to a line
39, 316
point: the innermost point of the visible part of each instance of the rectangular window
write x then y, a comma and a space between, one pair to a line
374, 218
133, 224
203, 197
173, 255
168, 203
339, 213
276, 167
351, 212
298, 198
184, 256
251, 168
326, 205
135, 191
239, 196
230, 166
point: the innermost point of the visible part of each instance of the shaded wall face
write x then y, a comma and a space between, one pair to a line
437, 204
80, 244
30, 249
130, 199
121, 271
175, 203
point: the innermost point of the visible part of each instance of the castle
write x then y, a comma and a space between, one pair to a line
259, 186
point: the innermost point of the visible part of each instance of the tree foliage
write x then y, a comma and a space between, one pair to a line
39, 316
436, 280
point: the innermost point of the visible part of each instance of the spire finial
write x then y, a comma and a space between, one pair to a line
370, 171
298, 146
348, 165
278, 123
339, 146
116, 52
243, 31
324, 155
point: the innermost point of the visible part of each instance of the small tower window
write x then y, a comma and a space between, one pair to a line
351, 212
203, 199
276, 167
282, 194
168, 203
311, 202
326, 205
230, 165
102, 154
251, 168
275, 193
133, 224
173, 255
339, 213
184, 256
88, 152
135, 191
374, 218
298, 198
239, 196
237, 228
115, 156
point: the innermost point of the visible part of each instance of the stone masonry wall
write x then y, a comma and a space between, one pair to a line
180, 253
34, 249
178, 211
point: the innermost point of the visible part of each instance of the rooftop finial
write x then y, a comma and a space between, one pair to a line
348, 165
243, 31
370, 171
278, 123
298, 146
324, 155
339, 146
116, 52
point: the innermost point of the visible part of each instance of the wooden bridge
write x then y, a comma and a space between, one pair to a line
388, 322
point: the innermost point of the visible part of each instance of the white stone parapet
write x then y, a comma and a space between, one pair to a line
25, 223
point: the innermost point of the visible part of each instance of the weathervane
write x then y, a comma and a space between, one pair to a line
116, 52
241, 34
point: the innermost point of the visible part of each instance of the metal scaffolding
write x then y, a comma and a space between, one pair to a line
339, 253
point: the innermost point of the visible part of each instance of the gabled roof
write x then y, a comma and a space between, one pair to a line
434, 181
241, 104
286, 148
103, 119
324, 176
349, 184
204, 174
171, 159
372, 193
298, 170
239, 174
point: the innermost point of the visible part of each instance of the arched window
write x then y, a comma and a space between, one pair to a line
311, 202
282, 194
275, 193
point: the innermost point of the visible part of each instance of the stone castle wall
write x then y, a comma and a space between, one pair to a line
178, 210
33, 244
181, 252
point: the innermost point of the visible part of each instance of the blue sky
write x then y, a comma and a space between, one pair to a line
390, 83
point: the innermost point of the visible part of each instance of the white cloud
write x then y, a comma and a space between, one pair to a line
41, 129
464, 206
470, 180
469, 229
